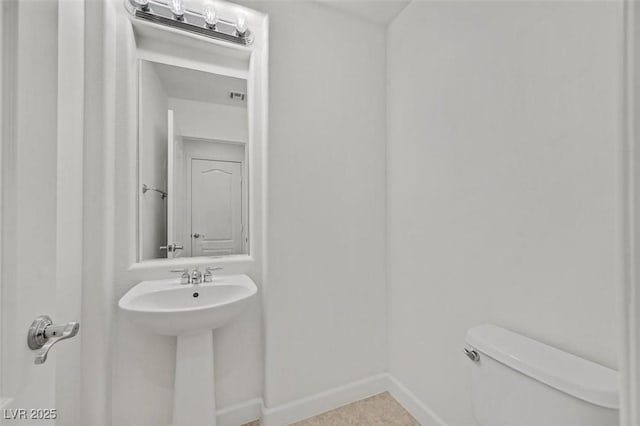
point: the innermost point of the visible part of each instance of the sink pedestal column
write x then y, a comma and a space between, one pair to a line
194, 401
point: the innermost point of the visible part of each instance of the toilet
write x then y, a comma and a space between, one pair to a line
518, 381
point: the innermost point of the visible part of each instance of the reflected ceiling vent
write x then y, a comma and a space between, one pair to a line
237, 96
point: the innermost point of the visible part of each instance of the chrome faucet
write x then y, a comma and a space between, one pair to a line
196, 276
184, 278
208, 274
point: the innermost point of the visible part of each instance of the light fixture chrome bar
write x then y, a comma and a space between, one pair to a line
160, 13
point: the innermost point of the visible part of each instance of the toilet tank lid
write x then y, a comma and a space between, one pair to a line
566, 372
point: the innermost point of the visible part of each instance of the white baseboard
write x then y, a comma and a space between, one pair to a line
425, 415
319, 403
240, 414
303, 408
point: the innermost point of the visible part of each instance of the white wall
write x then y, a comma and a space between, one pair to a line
504, 184
325, 305
211, 121
153, 164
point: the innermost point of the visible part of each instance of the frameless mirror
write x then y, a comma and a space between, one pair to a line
192, 154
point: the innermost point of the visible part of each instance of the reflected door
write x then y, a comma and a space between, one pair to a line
216, 207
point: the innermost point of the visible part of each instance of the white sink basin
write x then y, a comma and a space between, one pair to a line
170, 308
190, 312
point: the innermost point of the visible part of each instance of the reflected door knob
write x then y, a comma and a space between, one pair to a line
196, 235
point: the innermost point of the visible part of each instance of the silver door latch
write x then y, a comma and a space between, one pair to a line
171, 247
43, 335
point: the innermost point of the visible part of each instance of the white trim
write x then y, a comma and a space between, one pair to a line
628, 290
424, 414
313, 405
263, 82
239, 414
3, 401
322, 402
69, 215
8, 103
103, 128
211, 68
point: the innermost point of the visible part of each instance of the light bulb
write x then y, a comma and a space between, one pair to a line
241, 24
209, 13
142, 4
177, 8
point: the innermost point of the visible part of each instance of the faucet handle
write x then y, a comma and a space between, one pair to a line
196, 276
208, 275
184, 278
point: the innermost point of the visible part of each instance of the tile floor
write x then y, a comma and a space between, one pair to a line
378, 410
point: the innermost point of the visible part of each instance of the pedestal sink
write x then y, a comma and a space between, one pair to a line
190, 312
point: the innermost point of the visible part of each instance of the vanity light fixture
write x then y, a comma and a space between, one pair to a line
142, 4
177, 8
173, 13
241, 24
210, 16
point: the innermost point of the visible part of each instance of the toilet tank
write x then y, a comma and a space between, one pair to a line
518, 381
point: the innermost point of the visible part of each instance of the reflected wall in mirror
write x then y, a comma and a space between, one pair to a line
193, 135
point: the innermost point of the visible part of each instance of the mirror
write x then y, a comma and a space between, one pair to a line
193, 168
